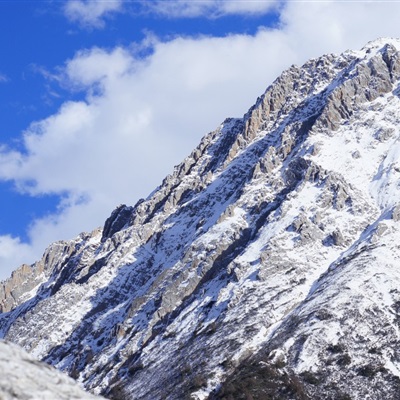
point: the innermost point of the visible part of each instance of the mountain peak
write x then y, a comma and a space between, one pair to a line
380, 43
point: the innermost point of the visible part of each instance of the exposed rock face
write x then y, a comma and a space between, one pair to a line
117, 221
342, 341
270, 253
22, 378
28, 279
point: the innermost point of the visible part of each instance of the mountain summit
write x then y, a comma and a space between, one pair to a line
265, 266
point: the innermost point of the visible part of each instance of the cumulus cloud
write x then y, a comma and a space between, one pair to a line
91, 13
333, 26
12, 248
210, 8
141, 115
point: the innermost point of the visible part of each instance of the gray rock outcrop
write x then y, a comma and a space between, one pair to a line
23, 378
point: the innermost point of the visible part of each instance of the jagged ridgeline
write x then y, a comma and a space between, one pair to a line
266, 266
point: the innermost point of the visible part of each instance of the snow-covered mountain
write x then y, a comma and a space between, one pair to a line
266, 265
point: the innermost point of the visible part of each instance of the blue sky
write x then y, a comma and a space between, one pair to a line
37, 38
99, 100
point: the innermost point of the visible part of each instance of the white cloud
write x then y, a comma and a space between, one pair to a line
248, 7
91, 13
3, 78
142, 116
12, 250
333, 26
210, 8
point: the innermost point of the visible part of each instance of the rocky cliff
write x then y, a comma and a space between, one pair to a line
264, 265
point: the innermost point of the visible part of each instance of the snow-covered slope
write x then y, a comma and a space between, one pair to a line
273, 245
22, 377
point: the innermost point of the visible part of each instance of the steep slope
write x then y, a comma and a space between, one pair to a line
23, 377
274, 242
342, 341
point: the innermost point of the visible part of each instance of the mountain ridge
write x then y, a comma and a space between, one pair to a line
219, 267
